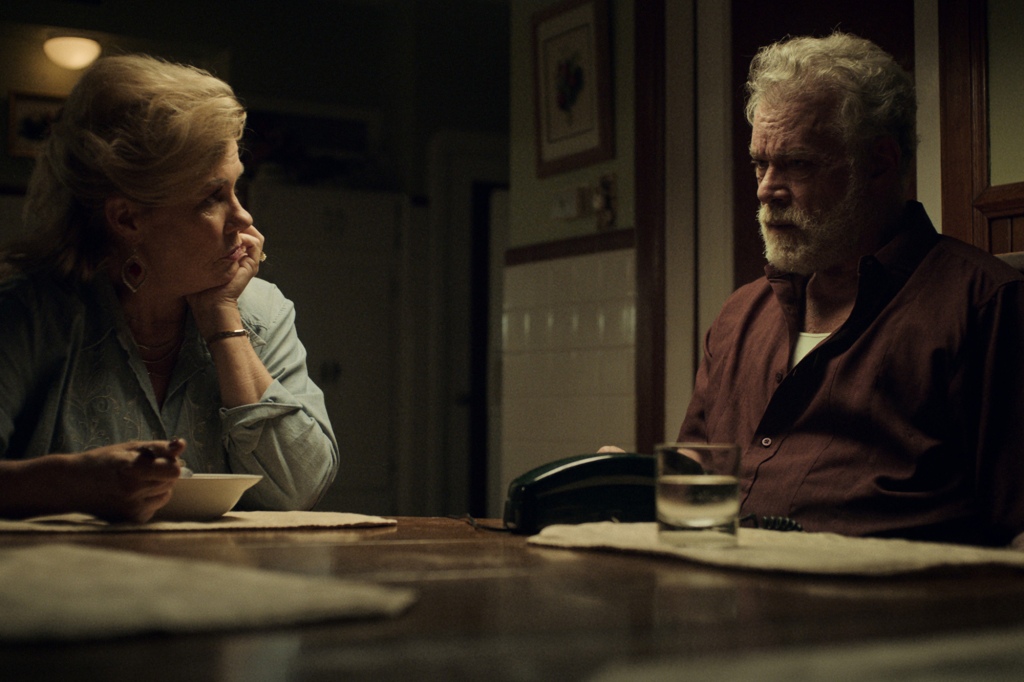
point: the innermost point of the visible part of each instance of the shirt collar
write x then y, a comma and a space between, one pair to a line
901, 255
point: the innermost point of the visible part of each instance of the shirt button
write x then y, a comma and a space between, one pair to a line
778, 377
766, 441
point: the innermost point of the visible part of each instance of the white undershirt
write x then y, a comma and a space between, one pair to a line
805, 344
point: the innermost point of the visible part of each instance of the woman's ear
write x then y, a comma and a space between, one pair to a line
122, 218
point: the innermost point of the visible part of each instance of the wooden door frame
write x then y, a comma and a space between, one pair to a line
649, 83
970, 203
963, 108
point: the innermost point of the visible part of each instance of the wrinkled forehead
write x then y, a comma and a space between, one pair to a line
807, 124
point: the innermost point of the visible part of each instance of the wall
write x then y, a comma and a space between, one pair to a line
1006, 91
533, 199
568, 324
568, 339
926, 79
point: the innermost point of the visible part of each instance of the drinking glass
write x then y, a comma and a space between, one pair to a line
697, 496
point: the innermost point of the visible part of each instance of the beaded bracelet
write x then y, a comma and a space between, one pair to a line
225, 335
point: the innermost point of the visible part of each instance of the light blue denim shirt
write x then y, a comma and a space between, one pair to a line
71, 379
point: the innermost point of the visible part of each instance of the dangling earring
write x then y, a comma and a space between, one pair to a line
133, 273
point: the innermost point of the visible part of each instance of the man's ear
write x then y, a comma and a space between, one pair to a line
122, 218
885, 156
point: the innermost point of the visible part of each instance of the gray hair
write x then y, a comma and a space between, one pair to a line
135, 127
874, 96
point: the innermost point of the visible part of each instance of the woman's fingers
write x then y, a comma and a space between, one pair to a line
152, 451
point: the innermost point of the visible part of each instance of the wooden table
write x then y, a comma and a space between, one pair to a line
493, 608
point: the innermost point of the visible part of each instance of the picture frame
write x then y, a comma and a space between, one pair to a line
30, 117
572, 86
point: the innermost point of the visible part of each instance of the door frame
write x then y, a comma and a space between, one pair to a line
973, 210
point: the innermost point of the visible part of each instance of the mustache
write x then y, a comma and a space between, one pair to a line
790, 215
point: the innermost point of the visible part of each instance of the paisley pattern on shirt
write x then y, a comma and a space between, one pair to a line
101, 407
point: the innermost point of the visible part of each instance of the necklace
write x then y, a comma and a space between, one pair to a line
167, 356
176, 327
159, 346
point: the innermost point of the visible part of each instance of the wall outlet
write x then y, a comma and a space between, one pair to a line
572, 204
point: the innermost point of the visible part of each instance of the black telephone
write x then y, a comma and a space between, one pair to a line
594, 487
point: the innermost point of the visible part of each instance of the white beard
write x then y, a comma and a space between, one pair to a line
819, 240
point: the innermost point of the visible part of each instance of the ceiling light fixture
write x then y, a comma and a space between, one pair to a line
72, 52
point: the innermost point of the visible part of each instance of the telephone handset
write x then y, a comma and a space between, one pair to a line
583, 488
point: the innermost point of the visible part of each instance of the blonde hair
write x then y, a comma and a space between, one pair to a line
874, 96
136, 127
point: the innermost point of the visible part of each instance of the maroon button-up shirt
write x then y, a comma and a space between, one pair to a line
907, 421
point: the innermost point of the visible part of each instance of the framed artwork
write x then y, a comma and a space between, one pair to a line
30, 118
572, 86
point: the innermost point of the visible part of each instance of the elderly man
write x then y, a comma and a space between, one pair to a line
875, 377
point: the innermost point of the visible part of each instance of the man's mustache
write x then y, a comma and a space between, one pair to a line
767, 215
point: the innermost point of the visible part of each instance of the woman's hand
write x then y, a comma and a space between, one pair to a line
216, 309
122, 482
241, 375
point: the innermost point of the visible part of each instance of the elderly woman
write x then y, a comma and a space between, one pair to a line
134, 329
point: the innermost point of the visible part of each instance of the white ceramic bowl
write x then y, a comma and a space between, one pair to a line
202, 497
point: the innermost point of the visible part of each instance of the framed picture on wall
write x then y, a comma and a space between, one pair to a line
30, 118
572, 86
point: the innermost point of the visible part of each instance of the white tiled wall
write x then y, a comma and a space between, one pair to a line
568, 345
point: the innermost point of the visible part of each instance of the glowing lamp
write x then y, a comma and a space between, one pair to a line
72, 52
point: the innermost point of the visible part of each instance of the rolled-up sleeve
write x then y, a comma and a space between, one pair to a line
286, 437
